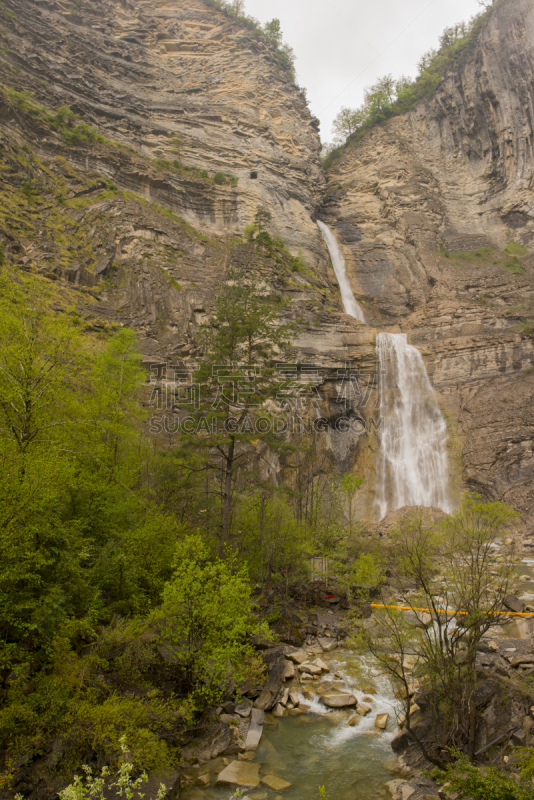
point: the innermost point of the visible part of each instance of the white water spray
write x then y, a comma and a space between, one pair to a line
412, 465
338, 262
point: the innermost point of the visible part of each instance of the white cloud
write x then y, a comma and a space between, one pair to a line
342, 46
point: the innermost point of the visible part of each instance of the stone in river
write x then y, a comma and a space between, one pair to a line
513, 603
320, 663
255, 729
298, 657
311, 669
339, 700
243, 709
279, 710
240, 773
289, 671
362, 710
327, 644
264, 700
381, 721
274, 782
354, 720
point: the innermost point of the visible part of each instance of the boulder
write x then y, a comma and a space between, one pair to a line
519, 737
279, 710
400, 742
362, 709
289, 671
275, 783
338, 700
264, 700
244, 708
322, 666
515, 661
327, 644
240, 773
353, 721
255, 729
513, 603
284, 697
395, 788
381, 721
311, 669
298, 657
293, 696
400, 789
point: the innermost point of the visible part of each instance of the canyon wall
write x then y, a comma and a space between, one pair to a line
436, 216
433, 209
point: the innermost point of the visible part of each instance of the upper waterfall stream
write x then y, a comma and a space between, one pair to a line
338, 262
412, 467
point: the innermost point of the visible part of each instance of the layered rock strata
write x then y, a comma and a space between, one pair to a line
434, 213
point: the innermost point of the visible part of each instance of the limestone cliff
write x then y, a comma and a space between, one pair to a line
132, 217
434, 210
163, 77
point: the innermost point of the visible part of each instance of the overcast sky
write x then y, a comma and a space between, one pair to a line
343, 46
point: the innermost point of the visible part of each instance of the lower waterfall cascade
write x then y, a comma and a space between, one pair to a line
350, 304
412, 468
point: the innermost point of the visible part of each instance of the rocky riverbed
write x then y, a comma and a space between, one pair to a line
333, 729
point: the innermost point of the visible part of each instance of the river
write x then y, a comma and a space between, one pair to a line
317, 748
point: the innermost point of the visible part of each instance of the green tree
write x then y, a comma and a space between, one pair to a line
262, 219
472, 584
206, 619
271, 541
273, 32
242, 340
350, 484
39, 358
345, 123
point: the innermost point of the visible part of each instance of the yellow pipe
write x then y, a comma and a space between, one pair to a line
455, 613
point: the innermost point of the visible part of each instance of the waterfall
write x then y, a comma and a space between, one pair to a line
338, 262
412, 465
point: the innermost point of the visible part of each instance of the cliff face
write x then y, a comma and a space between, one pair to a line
179, 92
435, 214
133, 220
170, 78
433, 210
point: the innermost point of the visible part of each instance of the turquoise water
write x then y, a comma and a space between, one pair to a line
317, 748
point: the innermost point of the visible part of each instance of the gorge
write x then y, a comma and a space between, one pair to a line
158, 162
431, 210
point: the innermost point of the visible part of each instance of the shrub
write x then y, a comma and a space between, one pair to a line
219, 178
483, 783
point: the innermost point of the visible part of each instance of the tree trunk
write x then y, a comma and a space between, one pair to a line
227, 495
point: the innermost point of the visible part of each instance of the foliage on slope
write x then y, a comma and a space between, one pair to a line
389, 98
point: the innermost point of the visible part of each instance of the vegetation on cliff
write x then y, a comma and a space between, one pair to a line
271, 32
389, 97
